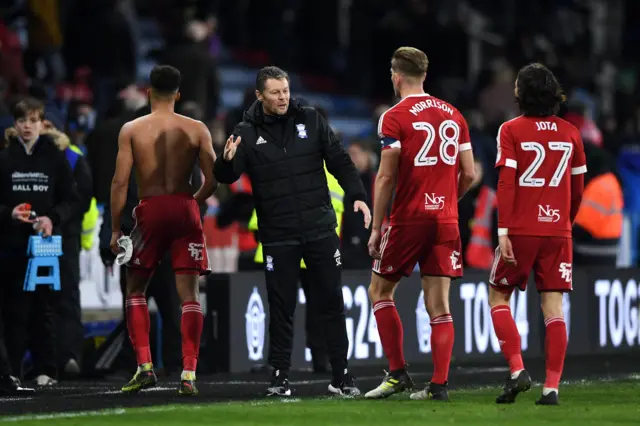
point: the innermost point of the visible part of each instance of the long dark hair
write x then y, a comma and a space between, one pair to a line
539, 93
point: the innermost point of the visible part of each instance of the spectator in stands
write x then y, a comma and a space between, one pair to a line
45, 40
186, 50
102, 148
354, 237
234, 115
103, 40
11, 62
477, 210
34, 177
496, 100
598, 226
577, 115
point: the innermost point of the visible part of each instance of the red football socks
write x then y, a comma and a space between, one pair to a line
555, 348
441, 347
391, 333
138, 326
191, 328
508, 336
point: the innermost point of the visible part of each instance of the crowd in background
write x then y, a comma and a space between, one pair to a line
82, 60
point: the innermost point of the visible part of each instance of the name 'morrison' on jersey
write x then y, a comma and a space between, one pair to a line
545, 152
430, 134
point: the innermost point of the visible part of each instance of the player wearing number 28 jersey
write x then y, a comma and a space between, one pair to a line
426, 153
542, 164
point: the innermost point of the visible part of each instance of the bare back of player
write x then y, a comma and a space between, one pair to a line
427, 156
163, 149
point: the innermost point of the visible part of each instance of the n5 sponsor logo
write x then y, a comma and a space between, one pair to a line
478, 326
618, 312
547, 214
433, 201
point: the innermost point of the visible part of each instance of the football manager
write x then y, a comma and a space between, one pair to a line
283, 147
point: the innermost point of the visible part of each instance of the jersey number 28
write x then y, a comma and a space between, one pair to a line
447, 126
527, 178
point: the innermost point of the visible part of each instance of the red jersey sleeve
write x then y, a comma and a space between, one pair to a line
579, 160
578, 169
389, 130
506, 148
465, 139
506, 192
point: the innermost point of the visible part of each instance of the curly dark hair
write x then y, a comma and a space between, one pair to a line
539, 93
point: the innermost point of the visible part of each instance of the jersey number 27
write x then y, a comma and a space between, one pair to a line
448, 126
527, 178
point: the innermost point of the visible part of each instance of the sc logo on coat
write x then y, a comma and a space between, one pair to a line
254, 326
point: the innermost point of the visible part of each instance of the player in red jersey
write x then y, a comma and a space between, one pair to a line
162, 148
542, 164
426, 153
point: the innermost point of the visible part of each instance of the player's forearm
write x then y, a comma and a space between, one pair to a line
382, 198
206, 190
506, 196
118, 200
465, 180
577, 190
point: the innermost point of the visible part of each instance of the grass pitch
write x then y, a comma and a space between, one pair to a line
587, 403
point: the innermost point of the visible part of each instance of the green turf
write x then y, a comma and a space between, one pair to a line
596, 403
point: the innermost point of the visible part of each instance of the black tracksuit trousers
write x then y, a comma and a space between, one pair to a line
27, 319
282, 272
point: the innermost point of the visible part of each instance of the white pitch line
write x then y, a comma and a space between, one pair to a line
115, 412
255, 403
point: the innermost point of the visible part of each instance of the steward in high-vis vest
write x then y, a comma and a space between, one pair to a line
77, 234
314, 337
598, 226
88, 214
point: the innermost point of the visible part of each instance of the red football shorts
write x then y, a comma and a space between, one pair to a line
550, 259
169, 222
435, 247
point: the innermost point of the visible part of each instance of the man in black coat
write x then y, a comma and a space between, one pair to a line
283, 147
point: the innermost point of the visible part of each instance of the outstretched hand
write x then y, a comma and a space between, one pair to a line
231, 147
361, 206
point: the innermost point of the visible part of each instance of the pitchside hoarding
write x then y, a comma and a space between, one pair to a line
602, 316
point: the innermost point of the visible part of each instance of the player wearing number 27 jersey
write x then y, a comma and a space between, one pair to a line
426, 154
542, 164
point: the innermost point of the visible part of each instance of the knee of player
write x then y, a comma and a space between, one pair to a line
497, 298
379, 292
137, 282
552, 305
187, 284
437, 306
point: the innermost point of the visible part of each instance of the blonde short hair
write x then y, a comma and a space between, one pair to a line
410, 61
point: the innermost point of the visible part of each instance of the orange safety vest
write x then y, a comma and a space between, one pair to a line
480, 250
246, 240
600, 213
